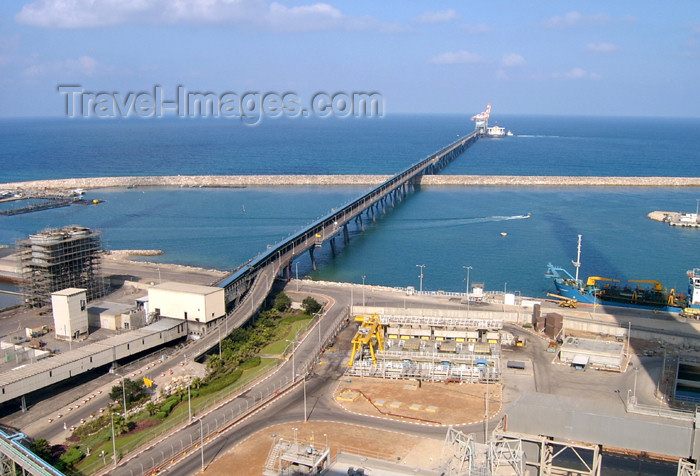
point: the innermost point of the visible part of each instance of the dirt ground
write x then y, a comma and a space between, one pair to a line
404, 400
249, 456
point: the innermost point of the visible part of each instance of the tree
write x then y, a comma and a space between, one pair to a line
134, 390
310, 305
42, 449
282, 302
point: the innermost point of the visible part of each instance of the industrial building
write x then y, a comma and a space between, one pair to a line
70, 316
58, 259
29, 378
198, 305
582, 352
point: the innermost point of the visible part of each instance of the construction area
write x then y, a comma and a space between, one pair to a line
57, 259
342, 449
432, 349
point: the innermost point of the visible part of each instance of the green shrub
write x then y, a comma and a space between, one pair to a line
218, 384
72, 456
250, 363
161, 415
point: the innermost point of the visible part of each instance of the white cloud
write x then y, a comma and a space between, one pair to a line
457, 57
72, 14
577, 73
479, 29
574, 19
441, 16
602, 47
510, 60
81, 66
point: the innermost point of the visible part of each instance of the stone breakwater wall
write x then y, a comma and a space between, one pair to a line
565, 181
310, 180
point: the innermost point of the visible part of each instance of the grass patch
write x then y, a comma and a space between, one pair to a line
287, 331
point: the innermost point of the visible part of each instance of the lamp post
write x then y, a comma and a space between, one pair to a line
363, 290
636, 370
201, 441
189, 401
468, 268
114, 441
421, 266
123, 394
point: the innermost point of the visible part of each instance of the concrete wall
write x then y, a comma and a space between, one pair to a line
518, 316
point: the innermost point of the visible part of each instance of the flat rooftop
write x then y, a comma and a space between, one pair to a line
187, 288
592, 346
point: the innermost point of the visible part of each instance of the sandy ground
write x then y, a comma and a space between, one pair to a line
403, 400
249, 457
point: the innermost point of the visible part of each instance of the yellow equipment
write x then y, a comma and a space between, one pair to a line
565, 301
658, 287
370, 327
593, 279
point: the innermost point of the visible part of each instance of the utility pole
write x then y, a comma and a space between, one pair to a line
468, 268
363, 290
421, 266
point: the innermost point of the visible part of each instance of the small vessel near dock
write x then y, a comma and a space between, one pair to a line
636, 293
481, 124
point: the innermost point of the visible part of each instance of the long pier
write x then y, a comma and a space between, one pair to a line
279, 257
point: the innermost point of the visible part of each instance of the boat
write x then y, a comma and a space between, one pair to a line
496, 131
635, 293
503, 233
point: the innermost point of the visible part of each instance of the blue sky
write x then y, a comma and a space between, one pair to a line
626, 58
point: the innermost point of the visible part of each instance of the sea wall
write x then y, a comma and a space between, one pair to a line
306, 180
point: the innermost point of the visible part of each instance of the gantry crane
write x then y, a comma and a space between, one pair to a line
482, 119
370, 328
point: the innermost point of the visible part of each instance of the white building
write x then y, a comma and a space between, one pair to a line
70, 316
190, 302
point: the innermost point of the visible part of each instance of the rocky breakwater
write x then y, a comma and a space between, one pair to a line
233, 181
554, 181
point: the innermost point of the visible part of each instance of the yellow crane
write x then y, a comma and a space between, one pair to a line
370, 327
658, 287
592, 280
565, 301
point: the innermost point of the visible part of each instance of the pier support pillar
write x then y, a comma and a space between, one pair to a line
346, 235
362, 225
332, 240
313, 260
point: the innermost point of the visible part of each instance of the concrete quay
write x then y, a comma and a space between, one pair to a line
233, 181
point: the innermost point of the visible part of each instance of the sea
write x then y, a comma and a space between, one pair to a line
444, 228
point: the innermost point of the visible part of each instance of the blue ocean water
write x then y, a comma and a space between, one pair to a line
444, 228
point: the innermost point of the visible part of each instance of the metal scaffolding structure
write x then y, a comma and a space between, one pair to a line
57, 259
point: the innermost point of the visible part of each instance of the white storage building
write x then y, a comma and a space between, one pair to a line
70, 314
190, 302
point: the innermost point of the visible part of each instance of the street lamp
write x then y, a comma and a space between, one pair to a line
114, 441
421, 266
123, 393
201, 441
363, 290
468, 268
